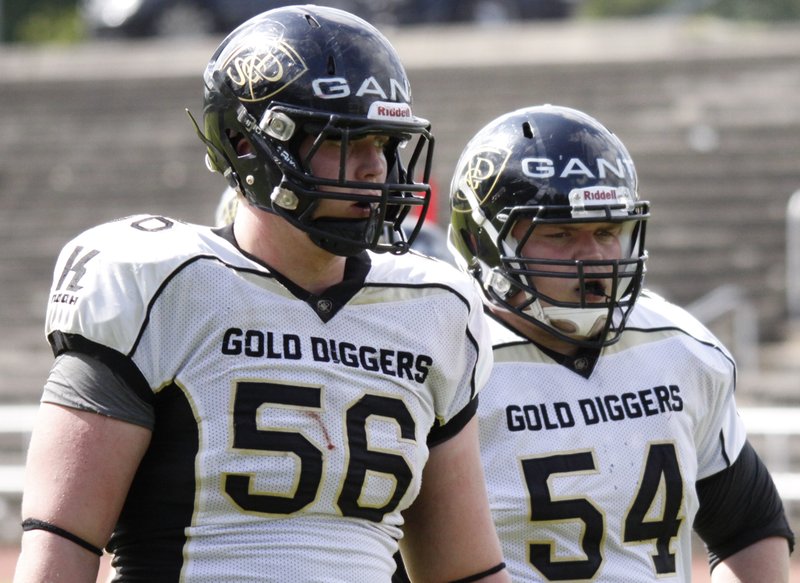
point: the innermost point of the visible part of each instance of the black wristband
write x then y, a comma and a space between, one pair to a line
486, 573
35, 524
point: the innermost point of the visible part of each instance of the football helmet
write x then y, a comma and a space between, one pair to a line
549, 165
301, 71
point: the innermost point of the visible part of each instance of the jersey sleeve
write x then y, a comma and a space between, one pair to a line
96, 293
473, 363
105, 279
722, 434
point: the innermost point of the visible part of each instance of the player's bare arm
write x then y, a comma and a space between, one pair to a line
430, 530
765, 561
80, 465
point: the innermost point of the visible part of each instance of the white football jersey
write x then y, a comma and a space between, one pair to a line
289, 433
592, 478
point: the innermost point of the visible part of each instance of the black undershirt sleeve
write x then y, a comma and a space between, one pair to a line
84, 382
740, 506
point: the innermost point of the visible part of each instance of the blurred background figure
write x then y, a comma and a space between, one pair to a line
142, 18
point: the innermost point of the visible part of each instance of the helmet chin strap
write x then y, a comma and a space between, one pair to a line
346, 235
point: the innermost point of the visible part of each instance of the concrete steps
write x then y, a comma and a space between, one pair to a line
710, 112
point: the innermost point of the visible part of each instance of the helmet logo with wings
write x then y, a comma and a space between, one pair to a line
482, 173
274, 67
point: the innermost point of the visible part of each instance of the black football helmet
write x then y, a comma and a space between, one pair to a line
549, 165
303, 71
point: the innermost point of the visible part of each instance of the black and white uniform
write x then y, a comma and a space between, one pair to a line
289, 430
592, 462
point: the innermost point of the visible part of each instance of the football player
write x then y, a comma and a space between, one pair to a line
608, 427
261, 402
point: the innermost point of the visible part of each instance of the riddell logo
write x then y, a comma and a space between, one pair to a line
393, 111
617, 198
389, 111
595, 195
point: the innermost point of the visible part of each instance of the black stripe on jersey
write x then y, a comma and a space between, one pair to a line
463, 300
723, 448
333, 299
150, 535
116, 361
441, 433
713, 345
474, 367
582, 362
164, 283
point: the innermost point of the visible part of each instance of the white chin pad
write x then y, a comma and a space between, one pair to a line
576, 322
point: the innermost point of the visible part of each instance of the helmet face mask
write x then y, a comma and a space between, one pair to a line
528, 178
308, 75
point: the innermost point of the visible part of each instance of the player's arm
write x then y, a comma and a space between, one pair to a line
765, 561
743, 523
79, 468
449, 534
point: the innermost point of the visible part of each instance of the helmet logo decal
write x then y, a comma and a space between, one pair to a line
339, 87
264, 73
483, 170
546, 168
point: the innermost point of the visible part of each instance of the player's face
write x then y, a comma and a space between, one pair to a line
365, 161
570, 242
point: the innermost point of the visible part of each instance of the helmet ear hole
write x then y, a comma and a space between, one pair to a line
243, 148
239, 144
